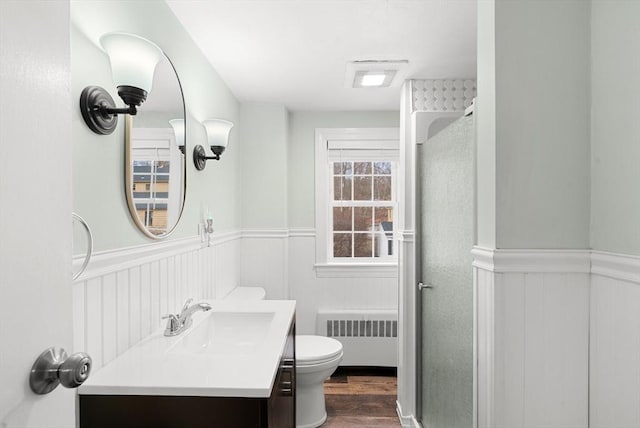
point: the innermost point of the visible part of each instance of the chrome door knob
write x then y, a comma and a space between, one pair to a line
53, 367
74, 370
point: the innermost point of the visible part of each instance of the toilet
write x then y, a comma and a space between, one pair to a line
317, 357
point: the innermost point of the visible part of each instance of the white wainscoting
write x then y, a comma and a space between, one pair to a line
313, 293
264, 260
533, 338
615, 341
121, 297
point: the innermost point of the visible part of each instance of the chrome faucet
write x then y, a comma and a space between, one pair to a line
176, 324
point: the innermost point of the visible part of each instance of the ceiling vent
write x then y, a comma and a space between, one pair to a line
375, 74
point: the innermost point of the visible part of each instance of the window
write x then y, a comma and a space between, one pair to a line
151, 189
362, 207
356, 202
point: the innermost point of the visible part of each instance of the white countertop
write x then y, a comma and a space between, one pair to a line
186, 366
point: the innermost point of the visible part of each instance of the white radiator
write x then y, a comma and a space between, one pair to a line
369, 336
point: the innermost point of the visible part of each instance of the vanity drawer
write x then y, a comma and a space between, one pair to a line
142, 411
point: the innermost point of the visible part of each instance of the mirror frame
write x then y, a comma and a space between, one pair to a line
128, 168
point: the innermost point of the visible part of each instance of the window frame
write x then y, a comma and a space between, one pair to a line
375, 141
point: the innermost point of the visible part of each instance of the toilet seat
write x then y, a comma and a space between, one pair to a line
314, 350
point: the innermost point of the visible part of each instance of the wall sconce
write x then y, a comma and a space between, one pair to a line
133, 62
178, 131
217, 137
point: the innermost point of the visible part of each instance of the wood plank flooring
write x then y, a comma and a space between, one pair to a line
361, 397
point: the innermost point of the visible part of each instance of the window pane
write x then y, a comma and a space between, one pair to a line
163, 167
142, 166
342, 168
363, 219
362, 245
382, 188
382, 167
341, 245
342, 218
342, 188
383, 214
384, 226
362, 188
383, 245
362, 168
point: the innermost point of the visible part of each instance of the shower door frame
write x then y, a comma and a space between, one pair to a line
421, 121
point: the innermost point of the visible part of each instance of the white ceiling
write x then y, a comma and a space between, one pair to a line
295, 52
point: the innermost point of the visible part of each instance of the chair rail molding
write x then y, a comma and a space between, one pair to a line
532, 261
616, 266
104, 262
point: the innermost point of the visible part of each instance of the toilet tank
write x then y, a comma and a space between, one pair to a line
246, 293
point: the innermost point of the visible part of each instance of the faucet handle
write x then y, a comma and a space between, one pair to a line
173, 324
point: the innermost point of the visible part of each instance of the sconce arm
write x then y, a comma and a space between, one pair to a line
200, 157
214, 157
111, 110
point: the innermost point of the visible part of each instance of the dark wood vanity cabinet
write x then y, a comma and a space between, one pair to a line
142, 411
282, 403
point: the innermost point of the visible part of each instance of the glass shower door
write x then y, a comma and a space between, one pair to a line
446, 222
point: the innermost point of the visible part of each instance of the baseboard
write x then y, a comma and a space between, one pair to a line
407, 421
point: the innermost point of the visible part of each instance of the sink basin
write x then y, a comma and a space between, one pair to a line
233, 350
226, 333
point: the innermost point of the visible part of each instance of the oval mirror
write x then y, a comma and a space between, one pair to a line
155, 170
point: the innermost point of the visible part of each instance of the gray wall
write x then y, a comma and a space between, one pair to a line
615, 126
98, 171
301, 190
264, 166
534, 58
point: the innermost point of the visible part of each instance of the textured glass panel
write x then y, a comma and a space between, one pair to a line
363, 218
342, 245
362, 245
362, 168
382, 188
362, 188
342, 218
446, 180
382, 167
342, 188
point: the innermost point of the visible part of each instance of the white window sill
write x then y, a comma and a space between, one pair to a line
356, 270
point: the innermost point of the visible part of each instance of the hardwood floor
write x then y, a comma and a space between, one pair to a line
361, 397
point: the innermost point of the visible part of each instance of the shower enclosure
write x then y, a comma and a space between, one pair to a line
446, 232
